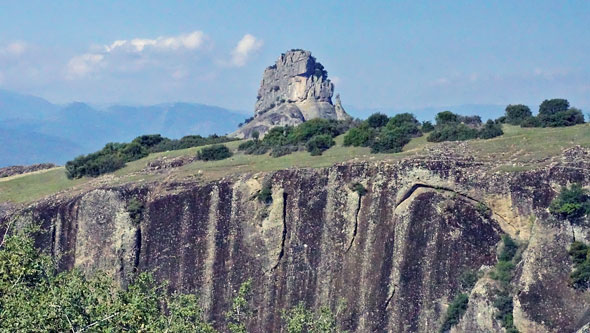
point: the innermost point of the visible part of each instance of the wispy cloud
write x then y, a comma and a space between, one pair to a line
132, 55
244, 49
14, 49
83, 65
190, 41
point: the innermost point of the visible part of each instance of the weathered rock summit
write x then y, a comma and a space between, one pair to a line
293, 90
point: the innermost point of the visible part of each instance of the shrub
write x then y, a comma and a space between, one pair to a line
483, 210
359, 136
359, 188
468, 279
452, 132
390, 141
553, 106
571, 203
319, 143
515, 114
135, 209
214, 153
313, 127
265, 194
531, 122
427, 127
509, 248
580, 254
490, 130
377, 120
282, 150
455, 311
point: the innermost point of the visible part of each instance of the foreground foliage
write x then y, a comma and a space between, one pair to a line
34, 297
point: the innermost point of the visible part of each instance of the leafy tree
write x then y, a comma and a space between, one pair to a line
531, 122
515, 114
446, 117
553, 106
377, 120
214, 153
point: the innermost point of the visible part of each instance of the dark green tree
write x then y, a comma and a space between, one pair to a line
515, 114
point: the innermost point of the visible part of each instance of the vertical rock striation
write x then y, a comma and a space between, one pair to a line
394, 256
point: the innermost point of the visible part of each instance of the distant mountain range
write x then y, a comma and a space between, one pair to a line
33, 130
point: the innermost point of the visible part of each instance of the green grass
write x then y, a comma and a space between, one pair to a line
520, 149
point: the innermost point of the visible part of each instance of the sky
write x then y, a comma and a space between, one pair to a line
379, 54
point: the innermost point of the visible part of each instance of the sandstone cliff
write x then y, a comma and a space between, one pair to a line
295, 89
394, 255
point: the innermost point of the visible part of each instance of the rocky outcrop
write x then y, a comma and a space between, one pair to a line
394, 255
295, 89
20, 169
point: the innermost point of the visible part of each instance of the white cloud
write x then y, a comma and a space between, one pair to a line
246, 46
190, 41
133, 55
82, 65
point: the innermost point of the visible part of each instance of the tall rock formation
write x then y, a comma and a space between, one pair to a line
293, 90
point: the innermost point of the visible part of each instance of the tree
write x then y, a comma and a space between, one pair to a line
255, 135
377, 120
515, 114
553, 106
427, 127
319, 143
446, 117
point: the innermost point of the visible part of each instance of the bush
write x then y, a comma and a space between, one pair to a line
319, 143
571, 203
406, 123
377, 120
359, 188
580, 253
359, 136
490, 130
135, 209
509, 249
446, 117
427, 127
265, 194
531, 122
214, 153
515, 114
452, 132
390, 141
455, 311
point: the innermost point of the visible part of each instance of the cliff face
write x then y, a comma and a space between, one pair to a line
295, 89
394, 256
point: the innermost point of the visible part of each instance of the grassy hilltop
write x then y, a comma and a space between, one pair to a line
517, 149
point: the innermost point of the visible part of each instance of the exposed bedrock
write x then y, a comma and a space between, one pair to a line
393, 255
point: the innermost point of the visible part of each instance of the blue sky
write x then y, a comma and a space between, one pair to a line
380, 54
